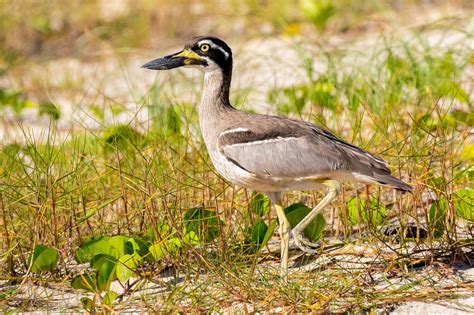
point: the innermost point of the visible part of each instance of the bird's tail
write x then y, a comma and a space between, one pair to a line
393, 182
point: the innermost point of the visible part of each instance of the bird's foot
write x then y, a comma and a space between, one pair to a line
303, 243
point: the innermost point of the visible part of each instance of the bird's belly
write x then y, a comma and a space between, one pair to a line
241, 177
232, 172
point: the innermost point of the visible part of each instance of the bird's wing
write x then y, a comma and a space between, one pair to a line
287, 148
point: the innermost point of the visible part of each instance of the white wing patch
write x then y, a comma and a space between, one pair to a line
234, 131
266, 141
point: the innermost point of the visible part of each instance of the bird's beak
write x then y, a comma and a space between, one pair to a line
185, 57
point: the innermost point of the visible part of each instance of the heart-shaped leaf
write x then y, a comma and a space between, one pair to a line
106, 274
269, 233
204, 223
119, 246
191, 238
93, 246
88, 304
126, 266
109, 297
160, 250
259, 230
86, 281
296, 212
159, 233
464, 204
99, 259
437, 216
43, 258
260, 204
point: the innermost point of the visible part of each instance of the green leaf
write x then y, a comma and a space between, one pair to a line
131, 246
93, 246
41, 24
88, 304
116, 109
14, 99
294, 207
139, 245
318, 12
105, 266
109, 298
161, 232
468, 152
464, 203
191, 238
453, 90
44, 258
115, 246
296, 212
260, 204
202, 222
376, 213
99, 259
373, 214
463, 116
119, 246
437, 216
49, 109
86, 281
124, 137
98, 112
269, 233
438, 182
173, 244
354, 209
160, 250
323, 92
259, 230
126, 266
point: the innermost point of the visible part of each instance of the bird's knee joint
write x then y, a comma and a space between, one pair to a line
333, 186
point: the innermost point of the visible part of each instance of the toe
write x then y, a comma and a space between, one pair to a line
304, 244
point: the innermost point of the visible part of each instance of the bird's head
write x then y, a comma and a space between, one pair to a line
206, 53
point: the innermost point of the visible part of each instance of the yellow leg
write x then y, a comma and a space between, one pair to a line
285, 239
301, 241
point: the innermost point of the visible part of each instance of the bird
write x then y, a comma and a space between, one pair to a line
271, 154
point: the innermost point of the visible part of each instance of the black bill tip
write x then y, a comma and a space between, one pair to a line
165, 63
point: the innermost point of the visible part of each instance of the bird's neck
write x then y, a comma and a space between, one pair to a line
215, 98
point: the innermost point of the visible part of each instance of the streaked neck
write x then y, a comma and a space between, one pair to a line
215, 96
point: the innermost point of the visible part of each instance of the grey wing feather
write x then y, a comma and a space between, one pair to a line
283, 147
286, 148
284, 157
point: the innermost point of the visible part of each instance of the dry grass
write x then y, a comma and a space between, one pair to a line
404, 98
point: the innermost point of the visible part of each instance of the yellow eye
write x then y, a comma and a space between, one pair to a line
204, 47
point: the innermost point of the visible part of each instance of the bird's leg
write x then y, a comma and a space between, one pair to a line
301, 241
284, 230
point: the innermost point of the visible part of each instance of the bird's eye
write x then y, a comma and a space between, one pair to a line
204, 47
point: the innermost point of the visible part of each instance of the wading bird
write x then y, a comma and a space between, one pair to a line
271, 154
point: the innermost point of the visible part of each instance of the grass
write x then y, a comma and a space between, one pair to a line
141, 181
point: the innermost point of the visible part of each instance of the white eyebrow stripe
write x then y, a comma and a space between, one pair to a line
213, 45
